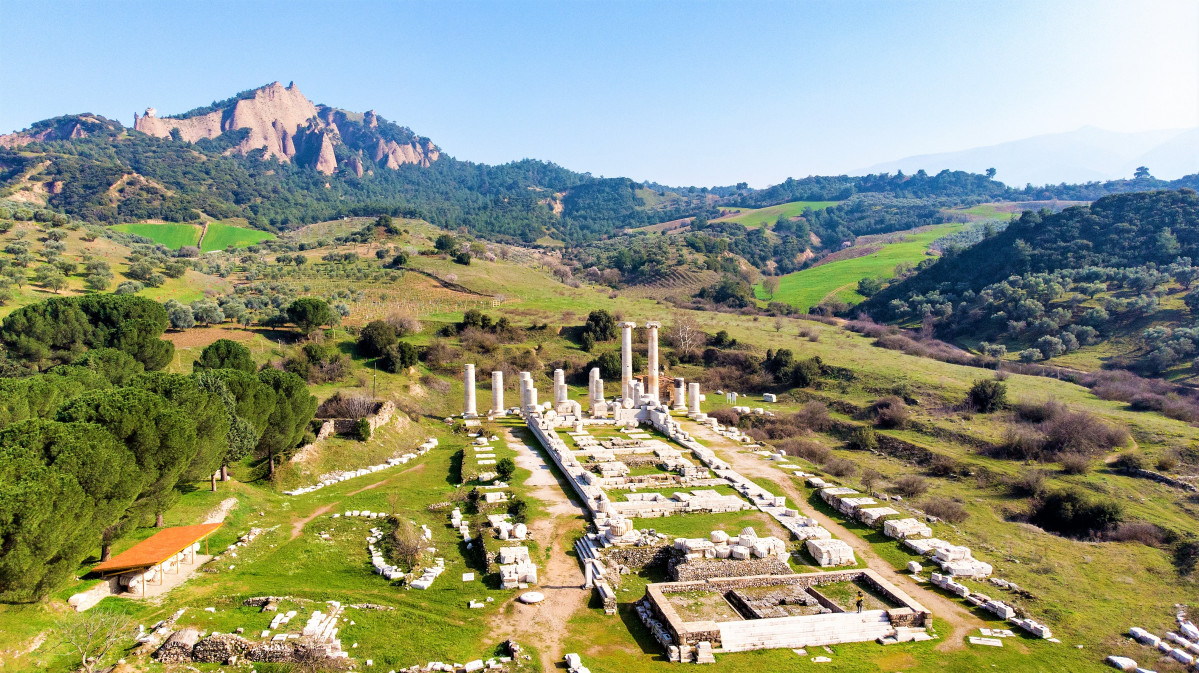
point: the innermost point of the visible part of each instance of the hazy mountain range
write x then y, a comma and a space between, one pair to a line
1085, 155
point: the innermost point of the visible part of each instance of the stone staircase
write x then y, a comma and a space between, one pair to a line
805, 631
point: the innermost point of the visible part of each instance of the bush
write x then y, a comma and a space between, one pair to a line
505, 468
987, 395
890, 412
814, 416
805, 448
1075, 514
519, 509
863, 439
1129, 462
911, 486
376, 338
362, 429
946, 509
840, 467
1143, 532
398, 358
1075, 463
1028, 483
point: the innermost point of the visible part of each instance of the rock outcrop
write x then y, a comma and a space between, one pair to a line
287, 126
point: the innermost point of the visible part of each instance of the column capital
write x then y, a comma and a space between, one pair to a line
653, 324
628, 325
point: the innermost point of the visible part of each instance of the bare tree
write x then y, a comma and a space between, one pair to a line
685, 335
407, 543
93, 635
778, 324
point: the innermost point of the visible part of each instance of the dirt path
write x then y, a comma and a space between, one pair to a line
297, 526
960, 620
561, 580
218, 514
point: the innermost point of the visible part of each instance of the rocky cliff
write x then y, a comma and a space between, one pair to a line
288, 127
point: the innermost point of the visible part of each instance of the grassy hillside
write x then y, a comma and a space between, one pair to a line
752, 218
220, 236
173, 236
839, 279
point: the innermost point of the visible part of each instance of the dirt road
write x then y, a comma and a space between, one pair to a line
543, 625
960, 620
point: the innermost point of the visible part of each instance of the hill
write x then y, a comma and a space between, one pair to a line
1051, 283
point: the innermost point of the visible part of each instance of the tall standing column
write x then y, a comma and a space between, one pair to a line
626, 359
651, 383
693, 398
525, 384
560, 392
497, 392
469, 407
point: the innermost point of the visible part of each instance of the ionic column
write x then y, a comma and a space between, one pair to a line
626, 358
651, 384
693, 398
497, 392
469, 408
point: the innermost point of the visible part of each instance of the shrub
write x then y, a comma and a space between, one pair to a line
398, 358
945, 509
1075, 463
505, 468
376, 338
840, 467
945, 466
1167, 464
807, 449
1027, 483
362, 429
1075, 514
814, 416
726, 416
1143, 532
863, 439
519, 509
911, 486
343, 405
1129, 462
890, 412
987, 395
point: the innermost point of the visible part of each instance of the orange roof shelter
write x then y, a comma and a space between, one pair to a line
156, 549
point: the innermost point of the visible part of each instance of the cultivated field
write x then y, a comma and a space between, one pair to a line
839, 279
752, 218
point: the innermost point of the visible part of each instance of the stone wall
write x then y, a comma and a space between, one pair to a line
637, 558
705, 569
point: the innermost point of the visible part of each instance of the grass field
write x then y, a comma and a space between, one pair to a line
173, 236
753, 218
839, 279
221, 236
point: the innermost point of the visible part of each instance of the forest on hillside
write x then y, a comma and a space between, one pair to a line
1052, 282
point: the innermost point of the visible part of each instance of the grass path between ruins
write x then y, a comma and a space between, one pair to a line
560, 578
297, 526
960, 621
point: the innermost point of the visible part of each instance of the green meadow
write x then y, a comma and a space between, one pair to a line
839, 279
173, 236
221, 236
752, 218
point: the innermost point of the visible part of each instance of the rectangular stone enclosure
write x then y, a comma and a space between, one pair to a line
836, 624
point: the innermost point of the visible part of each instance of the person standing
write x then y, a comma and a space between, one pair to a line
861, 598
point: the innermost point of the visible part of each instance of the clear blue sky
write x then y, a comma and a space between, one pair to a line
682, 93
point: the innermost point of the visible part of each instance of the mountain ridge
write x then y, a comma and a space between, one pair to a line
1087, 154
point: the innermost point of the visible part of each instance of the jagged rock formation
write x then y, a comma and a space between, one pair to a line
287, 126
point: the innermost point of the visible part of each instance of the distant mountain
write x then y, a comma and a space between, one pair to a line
1086, 155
